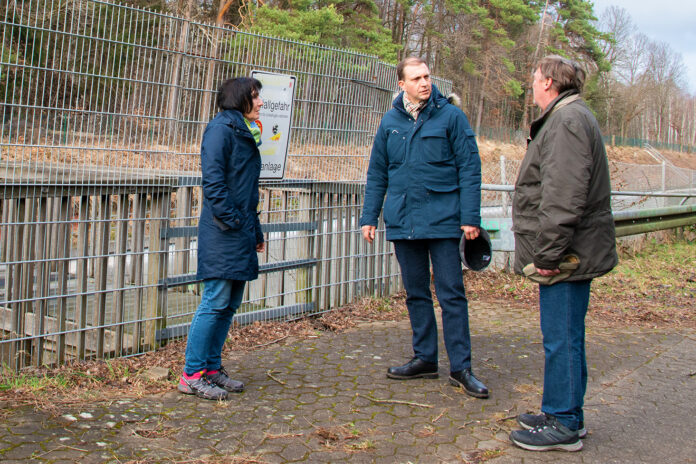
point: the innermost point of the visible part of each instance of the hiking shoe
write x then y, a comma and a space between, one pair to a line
222, 380
201, 386
529, 421
551, 435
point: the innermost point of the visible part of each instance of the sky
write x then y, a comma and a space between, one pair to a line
669, 21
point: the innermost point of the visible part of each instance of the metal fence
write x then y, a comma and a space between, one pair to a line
103, 107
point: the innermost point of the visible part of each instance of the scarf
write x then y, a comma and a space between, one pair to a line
255, 130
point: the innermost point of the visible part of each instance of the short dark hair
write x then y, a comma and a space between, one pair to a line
408, 61
238, 94
565, 74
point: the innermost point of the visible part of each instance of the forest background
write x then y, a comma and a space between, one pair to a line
487, 48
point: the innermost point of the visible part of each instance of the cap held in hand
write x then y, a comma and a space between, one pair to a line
476, 254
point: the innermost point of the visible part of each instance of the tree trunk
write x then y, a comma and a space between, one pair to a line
528, 101
181, 48
204, 112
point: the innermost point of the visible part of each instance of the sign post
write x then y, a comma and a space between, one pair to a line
275, 116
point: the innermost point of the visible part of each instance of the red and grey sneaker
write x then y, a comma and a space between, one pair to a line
220, 378
200, 385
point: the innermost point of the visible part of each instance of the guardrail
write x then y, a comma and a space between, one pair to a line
628, 222
649, 220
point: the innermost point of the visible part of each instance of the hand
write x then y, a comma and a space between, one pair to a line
368, 233
548, 272
261, 247
470, 232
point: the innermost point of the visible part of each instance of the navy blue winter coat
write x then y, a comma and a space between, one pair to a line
229, 228
429, 170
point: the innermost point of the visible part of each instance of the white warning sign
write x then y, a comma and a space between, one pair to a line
277, 93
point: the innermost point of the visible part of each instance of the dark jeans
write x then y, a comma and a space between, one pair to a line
210, 324
414, 258
563, 307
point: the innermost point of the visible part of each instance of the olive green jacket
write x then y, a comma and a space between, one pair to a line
562, 201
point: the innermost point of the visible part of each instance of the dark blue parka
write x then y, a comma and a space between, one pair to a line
229, 228
429, 170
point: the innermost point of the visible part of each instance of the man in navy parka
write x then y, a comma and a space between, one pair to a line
425, 162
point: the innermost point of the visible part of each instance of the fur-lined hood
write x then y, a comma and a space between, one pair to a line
454, 99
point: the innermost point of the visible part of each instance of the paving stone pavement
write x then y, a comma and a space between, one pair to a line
327, 399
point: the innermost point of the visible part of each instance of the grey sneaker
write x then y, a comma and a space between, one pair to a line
202, 387
529, 421
551, 435
222, 380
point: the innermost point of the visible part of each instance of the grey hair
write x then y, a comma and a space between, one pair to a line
565, 74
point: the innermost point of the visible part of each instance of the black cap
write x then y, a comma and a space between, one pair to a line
476, 254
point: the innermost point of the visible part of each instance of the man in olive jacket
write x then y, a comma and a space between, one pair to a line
562, 208
425, 160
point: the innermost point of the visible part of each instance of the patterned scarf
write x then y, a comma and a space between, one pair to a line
413, 108
255, 131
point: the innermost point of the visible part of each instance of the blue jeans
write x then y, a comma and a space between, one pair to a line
210, 324
414, 258
563, 307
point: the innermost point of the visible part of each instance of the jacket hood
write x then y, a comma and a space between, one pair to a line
435, 97
454, 99
231, 117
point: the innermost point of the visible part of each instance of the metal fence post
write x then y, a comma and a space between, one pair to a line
157, 268
503, 181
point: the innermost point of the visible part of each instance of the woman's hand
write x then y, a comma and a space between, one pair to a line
261, 247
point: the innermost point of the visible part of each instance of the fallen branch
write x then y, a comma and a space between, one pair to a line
408, 403
270, 374
273, 436
692, 374
466, 424
61, 447
271, 342
439, 416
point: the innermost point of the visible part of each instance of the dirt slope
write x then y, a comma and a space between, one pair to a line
491, 151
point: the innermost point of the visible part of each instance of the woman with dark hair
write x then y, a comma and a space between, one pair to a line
229, 234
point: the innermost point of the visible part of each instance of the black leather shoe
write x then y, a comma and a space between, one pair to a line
471, 385
414, 369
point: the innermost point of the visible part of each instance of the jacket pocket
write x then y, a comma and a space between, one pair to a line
224, 227
443, 204
221, 225
435, 145
394, 210
396, 147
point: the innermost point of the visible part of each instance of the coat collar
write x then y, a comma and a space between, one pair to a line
539, 122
